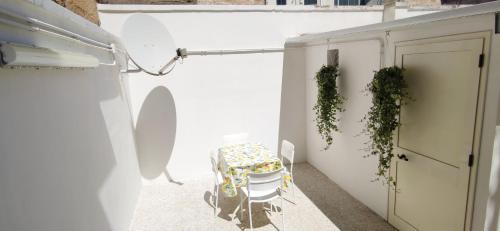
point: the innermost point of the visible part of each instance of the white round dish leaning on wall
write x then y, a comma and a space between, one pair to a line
148, 42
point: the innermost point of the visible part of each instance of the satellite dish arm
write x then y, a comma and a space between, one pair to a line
161, 72
172, 61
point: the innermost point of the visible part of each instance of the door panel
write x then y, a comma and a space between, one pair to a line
431, 195
444, 98
436, 135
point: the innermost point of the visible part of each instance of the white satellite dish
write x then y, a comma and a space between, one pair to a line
149, 44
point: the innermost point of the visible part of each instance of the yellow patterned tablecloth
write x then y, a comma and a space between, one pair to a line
236, 161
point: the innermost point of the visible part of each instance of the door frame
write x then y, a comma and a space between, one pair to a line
476, 147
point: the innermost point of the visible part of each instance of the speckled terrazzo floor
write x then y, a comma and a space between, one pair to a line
319, 204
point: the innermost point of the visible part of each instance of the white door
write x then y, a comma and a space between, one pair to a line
436, 136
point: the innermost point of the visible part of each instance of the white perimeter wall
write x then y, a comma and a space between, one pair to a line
343, 162
209, 96
492, 220
67, 155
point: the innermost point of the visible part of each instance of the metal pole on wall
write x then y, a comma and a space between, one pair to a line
235, 51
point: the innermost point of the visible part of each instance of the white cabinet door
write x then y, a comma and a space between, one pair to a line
436, 136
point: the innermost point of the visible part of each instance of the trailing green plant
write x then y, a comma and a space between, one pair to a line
329, 102
389, 91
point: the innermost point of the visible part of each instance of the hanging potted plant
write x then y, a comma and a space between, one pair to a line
389, 92
329, 102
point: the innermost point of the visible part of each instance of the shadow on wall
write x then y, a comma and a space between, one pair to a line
155, 133
56, 153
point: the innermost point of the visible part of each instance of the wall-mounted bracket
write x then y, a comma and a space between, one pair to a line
332, 57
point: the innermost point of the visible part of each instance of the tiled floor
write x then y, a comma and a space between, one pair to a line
319, 204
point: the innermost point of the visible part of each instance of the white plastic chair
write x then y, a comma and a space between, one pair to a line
262, 188
218, 180
239, 138
288, 152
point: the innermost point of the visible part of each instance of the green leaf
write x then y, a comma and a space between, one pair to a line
329, 103
389, 91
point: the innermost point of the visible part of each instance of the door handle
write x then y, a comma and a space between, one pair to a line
402, 157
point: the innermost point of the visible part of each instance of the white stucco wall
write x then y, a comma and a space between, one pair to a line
217, 95
487, 201
404, 12
492, 221
293, 98
343, 162
67, 153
